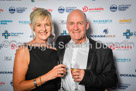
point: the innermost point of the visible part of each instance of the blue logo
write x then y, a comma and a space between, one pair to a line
24, 22
128, 75
123, 60
113, 8
124, 7
6, 34
11, 83
6, 72
102, 21
128, 34
33, 0
69, 9
65, 32
105, 35
61, 9
105, 31
20, 9
122, 86
5, 22
12, 10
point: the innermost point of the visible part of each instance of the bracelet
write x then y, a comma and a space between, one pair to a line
40, 81
35, 84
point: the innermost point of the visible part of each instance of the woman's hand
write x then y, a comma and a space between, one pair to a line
57, 71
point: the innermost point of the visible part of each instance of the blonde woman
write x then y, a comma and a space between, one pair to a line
34, 68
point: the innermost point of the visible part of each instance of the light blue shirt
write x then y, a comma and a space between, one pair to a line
75, 53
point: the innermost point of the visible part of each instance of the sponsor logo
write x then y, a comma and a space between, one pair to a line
122, 7
11, 83
124, 46
33, 0
128, 34
13, 46
121, 47
122, 86
128, 75
123, 60
2, 83
6, 34
24, 22
6, 72
113, 8
7, 58
86, 9
20, 9
1, 10
5, 22
125, 21
102, 21
105, 35
65, 32
12, 9
62, 9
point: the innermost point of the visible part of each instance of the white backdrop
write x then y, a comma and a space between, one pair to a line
112, 22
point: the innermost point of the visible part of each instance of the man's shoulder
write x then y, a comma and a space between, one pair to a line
98, 45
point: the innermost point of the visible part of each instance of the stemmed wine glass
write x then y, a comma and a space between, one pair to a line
61, 88
74, 68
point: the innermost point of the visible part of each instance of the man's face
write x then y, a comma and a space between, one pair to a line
77, 26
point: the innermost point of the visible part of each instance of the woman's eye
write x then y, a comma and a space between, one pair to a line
47, 24
38, 25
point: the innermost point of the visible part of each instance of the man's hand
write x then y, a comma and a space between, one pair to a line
77, 74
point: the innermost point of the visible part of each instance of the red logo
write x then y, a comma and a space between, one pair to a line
85, 9
2, 83
13, 46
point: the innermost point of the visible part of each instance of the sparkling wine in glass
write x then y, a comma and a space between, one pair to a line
74, 68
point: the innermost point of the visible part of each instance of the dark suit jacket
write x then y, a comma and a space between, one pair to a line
100, 72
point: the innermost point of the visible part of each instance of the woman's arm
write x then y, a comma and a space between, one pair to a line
21, 66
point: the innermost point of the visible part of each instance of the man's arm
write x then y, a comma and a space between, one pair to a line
107, 78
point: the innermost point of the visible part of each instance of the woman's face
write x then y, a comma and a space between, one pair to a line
43, 29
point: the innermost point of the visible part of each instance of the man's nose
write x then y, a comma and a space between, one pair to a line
76, 27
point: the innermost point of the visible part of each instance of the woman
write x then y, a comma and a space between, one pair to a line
35, 68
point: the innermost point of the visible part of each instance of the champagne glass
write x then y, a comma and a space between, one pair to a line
61, 88
74, 68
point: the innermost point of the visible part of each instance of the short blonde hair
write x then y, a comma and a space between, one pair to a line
38, 15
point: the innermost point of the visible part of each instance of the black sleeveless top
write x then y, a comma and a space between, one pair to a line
42, 60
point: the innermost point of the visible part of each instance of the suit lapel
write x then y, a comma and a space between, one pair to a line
91, 54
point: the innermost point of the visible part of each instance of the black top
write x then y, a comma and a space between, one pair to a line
42, 60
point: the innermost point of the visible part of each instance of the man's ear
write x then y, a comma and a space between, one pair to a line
87, 25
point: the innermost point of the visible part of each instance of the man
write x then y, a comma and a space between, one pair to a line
96, 69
